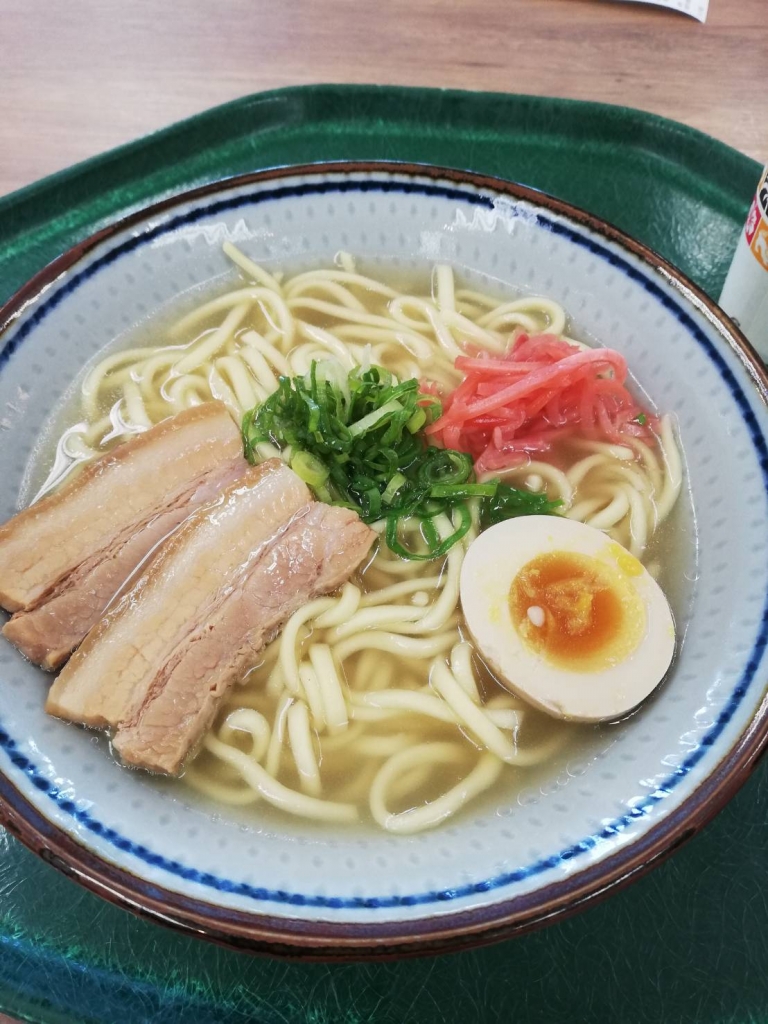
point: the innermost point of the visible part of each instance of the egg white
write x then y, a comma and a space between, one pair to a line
490, 566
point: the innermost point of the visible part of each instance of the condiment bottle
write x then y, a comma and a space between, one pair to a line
745, 292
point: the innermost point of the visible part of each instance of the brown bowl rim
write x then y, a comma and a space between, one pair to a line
435, 932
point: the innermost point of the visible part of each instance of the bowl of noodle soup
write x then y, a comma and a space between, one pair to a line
369, 786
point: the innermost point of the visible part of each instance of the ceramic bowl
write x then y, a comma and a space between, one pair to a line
627, 800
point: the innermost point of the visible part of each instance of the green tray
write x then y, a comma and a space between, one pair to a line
687, 943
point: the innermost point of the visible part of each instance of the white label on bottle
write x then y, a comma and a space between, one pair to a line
745, 292
696, 8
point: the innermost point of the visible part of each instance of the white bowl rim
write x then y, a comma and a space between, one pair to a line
322, 939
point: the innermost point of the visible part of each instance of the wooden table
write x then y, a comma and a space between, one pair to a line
82, 76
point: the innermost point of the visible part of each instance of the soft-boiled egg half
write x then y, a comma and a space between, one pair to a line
568, 620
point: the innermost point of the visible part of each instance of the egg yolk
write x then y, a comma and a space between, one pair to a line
577, 611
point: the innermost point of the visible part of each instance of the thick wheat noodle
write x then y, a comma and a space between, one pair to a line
552, 315
275, 792
651, 464
673, 478
415, 819
517, 321
235, 795
258, 273
91, 386
203, 351
385, 617
416, 344
340, 740
577, 473
275, 683
91, 434
479, 300
334, 704
491, 341
469, 713
146, 373
247, 391
249, 721
257, 363
505, 718
405, 701
438, 615
338, 312
351, 280
134, 407
443, 334
345, 606
638, 522
539, 753
289, 662
443, 288
365, 713
222, 391
301, 358
332, 290
186, 391
300, 739
329, 343
313, 694
368, 693
273, 355
394, 567
385, 595
276, 740
642, 484
421, 647
422, 702
582, 510
461, 666
398, 309
616, 451
416, 628
222, 303
612, 513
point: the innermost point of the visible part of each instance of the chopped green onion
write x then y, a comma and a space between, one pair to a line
430, 533
357, 440
642, 419
458, 492
446, 466
435, 551
311, 469
417, 421
508, 503
375, 418
393, 487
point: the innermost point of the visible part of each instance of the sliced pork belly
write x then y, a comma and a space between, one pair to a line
65, 557
319, 550
109, 677
50, 632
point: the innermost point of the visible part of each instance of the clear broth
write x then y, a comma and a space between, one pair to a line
673, 548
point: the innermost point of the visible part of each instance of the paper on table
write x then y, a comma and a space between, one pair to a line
696, 8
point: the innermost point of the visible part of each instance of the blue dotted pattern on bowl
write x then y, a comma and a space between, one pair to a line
641, 808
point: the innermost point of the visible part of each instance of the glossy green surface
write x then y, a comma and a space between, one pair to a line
686, 943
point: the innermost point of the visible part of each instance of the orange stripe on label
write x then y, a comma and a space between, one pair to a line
759, 243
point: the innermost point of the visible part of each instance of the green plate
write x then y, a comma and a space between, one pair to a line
686, 943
